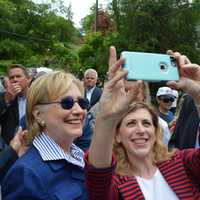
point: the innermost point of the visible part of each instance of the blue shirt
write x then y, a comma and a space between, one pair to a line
168, 118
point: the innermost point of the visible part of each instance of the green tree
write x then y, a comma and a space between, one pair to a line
29, 32
157, 25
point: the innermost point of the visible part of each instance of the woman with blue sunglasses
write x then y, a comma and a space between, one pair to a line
52, 168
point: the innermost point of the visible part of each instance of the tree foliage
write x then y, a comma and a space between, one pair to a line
32, 32
148, 26
158, 25
43, 34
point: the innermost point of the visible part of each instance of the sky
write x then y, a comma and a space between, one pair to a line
80, 8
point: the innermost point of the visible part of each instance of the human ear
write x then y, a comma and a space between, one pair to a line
39, 120
36, 113
117, 138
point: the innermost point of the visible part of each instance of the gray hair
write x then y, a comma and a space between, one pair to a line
91, 71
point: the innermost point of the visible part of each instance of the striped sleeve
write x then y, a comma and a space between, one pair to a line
191, 160
100, 182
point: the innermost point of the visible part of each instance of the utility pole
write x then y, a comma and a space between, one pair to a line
96, 17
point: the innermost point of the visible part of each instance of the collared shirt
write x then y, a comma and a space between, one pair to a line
21, 107
89, 93
49, 150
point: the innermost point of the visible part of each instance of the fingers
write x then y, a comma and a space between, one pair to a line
115, 68
184, 84
174, 85
181, 59
14, 89
134, 88
114, 64
19, 130
117, 77
112, 57
170, 52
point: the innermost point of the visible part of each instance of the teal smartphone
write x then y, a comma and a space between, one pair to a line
151, 67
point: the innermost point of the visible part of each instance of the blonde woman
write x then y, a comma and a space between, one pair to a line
141, 167
52, 168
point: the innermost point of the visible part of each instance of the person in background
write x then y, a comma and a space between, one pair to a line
13, 101
10, 153
165, 98
142, 168
174, 110
186, 133
52, 167
174, 104
92, 92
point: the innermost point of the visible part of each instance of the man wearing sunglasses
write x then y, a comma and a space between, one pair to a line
165, 99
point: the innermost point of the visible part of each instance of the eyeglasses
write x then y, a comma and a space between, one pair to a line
68, 102
167, 99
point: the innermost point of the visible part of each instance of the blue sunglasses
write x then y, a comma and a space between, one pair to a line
68, 102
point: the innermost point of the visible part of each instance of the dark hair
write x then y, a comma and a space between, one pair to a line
12, 66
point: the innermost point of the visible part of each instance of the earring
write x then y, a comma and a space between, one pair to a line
41, 123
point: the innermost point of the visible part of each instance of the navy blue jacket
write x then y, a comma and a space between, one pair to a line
9, 118
96, 94
185, 132
7, 157
30, 178
84, 140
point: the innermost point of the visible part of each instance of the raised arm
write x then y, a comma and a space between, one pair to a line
189, 78
115, 100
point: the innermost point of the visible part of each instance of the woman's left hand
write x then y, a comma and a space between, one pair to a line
189, 76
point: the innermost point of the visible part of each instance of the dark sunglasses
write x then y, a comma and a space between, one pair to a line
167, 99
68, 102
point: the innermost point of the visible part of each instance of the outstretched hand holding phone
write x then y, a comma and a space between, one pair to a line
115, 101
189, 77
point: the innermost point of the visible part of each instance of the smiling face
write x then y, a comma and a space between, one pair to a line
137, 134
63, 125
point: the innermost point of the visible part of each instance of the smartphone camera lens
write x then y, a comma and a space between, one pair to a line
173, 61
163, 67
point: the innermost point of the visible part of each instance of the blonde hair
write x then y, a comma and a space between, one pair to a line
44, 89
160, 151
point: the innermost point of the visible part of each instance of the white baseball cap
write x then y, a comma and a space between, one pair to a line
175, 93
164, 91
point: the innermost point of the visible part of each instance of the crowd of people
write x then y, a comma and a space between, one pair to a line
62, 138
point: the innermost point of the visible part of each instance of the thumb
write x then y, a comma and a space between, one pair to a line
173, 84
